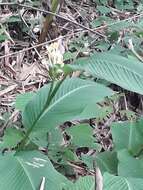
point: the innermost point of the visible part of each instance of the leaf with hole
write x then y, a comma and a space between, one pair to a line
82, 136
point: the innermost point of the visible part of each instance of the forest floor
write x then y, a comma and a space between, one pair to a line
81, 28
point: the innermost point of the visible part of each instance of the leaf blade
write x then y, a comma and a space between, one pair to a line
126, 73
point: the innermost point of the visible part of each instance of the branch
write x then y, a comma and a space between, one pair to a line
56, 15
38, 45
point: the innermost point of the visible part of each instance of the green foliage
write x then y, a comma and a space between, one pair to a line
127, 138
11, 138
129, 166
43, 150
3, 36
42, 113
121, 183
26, 170
107, 162
84, 183
82, 136
22, 100
116, 69
131, 133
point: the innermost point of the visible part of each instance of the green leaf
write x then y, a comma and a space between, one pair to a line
68, 103
13, 19
11, 138
68, 155
104, 10
3, 37
82, 136
101, 20
107, 162
88, 160
69, 55
26, 171
116, 69
121, 25
129, 166
112, 182
128, 135
50, 139
93, 110
22, 100
84, 183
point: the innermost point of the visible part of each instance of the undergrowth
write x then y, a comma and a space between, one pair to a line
71, 86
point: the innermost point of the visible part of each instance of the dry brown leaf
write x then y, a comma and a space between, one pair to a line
9, 89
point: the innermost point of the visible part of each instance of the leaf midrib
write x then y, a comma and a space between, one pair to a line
60, 99
119, 65
26, 172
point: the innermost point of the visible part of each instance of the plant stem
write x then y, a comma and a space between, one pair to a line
48, 21
53, 90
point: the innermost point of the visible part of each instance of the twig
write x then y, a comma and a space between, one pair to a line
42, 186
99, 180
48, 12
22, 18
131, 47
94, 167
7, 34
125, 102
32, 35
38, 45
56, 15
98, 177
9, 89
15, 113
119, 21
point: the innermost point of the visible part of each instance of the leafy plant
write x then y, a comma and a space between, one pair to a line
127, 136
48, 108
116, 69
70, 116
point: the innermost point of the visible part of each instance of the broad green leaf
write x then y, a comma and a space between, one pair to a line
116, 69
93, 110
26, 171
69, 102
101, 20
50, 139
13, 19
22, 100
128, 135
104, 9
107, 162
82, 136
89, 160
3, 37
112, 182
69, 55
68, 155
11, 138
84, 183
121, 25
129, 166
